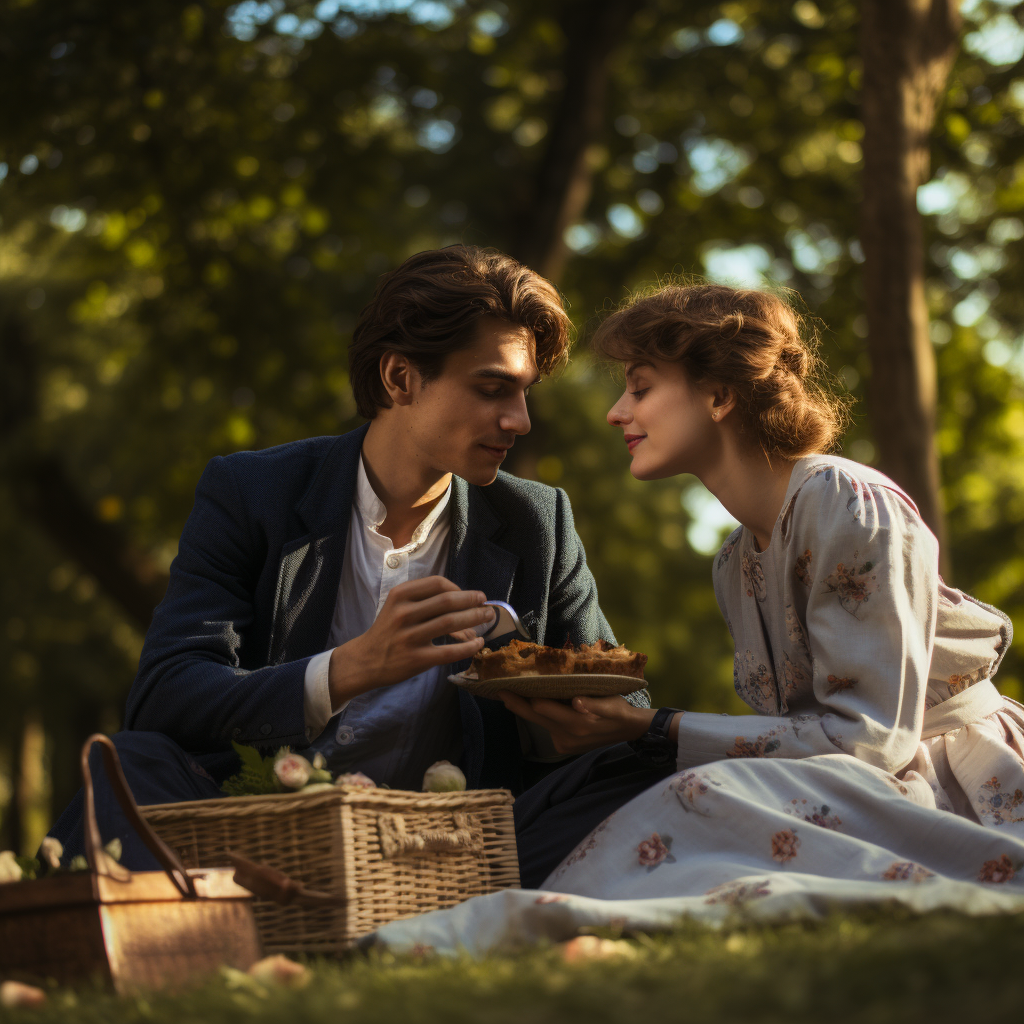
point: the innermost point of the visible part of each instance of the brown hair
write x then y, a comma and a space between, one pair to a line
430, 306
750, 341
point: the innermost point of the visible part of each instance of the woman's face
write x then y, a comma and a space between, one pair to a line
667, 423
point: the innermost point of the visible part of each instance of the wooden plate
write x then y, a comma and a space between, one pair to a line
559, 687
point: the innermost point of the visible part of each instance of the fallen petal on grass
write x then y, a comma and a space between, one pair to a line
590, 947
279, 970
15, 994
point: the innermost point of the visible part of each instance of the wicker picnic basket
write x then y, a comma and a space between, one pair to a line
381, 854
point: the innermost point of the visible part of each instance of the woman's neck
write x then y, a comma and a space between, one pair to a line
751, 487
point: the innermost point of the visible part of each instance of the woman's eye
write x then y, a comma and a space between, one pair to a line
640, 392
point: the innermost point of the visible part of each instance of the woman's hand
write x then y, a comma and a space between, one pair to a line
589, 723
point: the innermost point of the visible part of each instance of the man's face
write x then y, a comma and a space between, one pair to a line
465, 420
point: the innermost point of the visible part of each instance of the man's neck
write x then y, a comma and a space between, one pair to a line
407, 487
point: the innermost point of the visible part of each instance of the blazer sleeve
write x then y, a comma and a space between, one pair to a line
573, 609
191, 685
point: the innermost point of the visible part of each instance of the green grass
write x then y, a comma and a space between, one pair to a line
878, 967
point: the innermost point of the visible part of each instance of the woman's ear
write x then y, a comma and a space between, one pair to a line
723, 401
399, 377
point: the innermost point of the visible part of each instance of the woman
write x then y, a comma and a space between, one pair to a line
870, 678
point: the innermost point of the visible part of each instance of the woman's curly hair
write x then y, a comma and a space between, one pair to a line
753, 342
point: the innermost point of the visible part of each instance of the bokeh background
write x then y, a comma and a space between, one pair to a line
196, 201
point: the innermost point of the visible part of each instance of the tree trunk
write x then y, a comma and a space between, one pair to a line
593, 29
908, 47
50, 499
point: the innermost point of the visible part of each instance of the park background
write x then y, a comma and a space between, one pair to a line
197, 199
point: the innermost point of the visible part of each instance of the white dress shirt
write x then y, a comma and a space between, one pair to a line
375, 730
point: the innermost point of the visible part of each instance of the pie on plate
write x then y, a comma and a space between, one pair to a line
533, 670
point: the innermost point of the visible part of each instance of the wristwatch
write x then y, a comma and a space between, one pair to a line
656, 748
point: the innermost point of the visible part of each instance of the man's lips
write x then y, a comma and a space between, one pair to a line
632, 440
497, 450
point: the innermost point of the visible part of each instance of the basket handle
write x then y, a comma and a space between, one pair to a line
396, 840
99, 861
270, 884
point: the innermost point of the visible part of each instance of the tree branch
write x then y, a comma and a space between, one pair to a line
593, 29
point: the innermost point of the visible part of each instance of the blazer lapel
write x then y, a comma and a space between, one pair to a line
309, 571
475, 562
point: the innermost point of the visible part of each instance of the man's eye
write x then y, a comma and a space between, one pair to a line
491, 394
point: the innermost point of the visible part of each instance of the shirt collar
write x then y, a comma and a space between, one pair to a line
373, 511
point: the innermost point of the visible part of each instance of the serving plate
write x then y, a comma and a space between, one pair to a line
556, 687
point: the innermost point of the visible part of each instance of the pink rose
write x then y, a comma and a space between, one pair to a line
357, 779
292, 770
651, 852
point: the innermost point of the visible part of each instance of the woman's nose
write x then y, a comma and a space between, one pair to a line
618, 415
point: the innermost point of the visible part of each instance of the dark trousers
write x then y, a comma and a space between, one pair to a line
551, 817
557, 813
158, 772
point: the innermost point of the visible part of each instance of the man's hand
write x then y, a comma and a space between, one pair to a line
399, 644
590, 722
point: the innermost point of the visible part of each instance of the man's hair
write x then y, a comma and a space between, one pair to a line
431, 305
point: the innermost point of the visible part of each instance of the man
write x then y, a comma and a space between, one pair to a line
313, 580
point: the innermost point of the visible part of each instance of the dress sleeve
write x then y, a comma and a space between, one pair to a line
869, 568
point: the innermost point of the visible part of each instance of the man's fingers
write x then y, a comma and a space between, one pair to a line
425, 632
418, 590
449, 653
412, 613
463, 634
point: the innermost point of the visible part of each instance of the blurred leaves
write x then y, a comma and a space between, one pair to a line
196, 202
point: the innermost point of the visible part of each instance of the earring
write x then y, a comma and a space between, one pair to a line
714, 415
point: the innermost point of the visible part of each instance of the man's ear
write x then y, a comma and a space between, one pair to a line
400, 378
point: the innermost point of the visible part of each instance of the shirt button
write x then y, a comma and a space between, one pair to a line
346, 734
265, 730
394, 561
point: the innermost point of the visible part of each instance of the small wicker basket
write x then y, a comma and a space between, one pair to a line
386, 853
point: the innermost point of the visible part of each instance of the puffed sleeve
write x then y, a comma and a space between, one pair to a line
869, 569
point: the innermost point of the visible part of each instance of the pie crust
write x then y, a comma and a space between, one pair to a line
521, 658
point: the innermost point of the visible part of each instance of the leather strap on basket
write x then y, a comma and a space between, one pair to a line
99, 860
270, 884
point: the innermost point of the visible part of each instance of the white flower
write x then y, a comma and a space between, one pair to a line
10, 869
279, 970
114, 849
443, 777
292, 770
50, 852
14, 993
355, 779
319, 761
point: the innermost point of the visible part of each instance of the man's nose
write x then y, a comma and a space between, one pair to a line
516, 420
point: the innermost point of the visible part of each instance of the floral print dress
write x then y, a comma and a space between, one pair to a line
881, 762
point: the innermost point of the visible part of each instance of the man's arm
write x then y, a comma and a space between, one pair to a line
190, 684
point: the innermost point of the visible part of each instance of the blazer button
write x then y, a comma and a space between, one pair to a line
235, 733
345, 735
266, 730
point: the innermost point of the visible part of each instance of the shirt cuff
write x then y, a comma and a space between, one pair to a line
317, 695
701, 739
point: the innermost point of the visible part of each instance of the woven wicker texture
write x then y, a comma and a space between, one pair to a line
559, 687
390, 853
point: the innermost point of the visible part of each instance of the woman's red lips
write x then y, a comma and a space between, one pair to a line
632, 440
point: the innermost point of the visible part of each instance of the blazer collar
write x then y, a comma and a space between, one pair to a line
326, 507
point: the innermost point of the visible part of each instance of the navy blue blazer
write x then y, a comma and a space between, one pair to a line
253, 588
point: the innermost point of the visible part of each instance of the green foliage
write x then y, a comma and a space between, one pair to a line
196, 205
256, 775
878, 966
